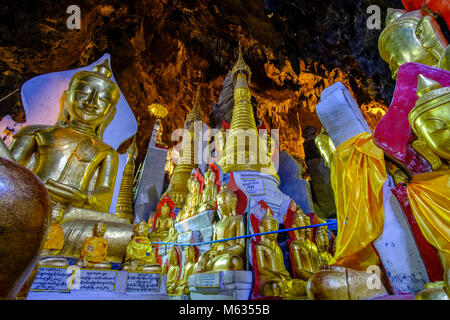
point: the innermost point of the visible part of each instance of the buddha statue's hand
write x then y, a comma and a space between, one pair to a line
65, 194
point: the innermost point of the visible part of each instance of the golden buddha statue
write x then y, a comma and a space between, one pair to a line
412, 37
274, 279
190, 207
428, 193
188, 270
173, 272
322, 243
304, 251
325, 146
68, 155
140, 255
164, 228
53, 244
95, 248
208, 201
227, 255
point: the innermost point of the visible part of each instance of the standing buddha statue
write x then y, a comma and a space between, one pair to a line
274, 279
140, 255
412, 37
227, 255
95, 248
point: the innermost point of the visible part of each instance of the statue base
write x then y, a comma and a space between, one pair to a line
87, 284
223, 285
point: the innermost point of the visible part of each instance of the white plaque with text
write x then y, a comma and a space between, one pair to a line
143, 282
95, 280
185, 237
52, 279
254, 186
208, 280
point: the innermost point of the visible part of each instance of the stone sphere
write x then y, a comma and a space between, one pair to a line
24, 222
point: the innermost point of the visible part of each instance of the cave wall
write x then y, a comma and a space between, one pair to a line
295, 48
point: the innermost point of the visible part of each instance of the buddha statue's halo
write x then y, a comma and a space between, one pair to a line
431, 95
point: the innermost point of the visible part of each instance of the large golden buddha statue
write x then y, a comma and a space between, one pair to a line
304, 252
208, 201
95, 250
412, 37
140, 255
274, 279
68, 155
429, 193
227, 255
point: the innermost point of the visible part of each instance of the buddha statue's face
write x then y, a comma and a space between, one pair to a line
141, 230
195, 185
268, 226
433, 127
173, 257
226, 204
298, 222
165, 210
402, 46
99, 230
91, 98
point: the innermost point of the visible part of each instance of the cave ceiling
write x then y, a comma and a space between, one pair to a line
295, 49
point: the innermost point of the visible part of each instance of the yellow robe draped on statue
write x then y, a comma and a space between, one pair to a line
357, 177
429, 197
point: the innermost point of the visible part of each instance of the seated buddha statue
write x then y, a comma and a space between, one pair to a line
164, 228
190, 207
274, 279
428, 193
54, 243
68, 155
227, 255
304, 252
188, 270
208, 200
139, 254
412, 37
95, 248
173, 272
322, 243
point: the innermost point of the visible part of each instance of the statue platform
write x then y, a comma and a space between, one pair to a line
223, 285
86, 284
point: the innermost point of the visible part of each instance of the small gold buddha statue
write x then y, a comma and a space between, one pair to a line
67, 156
274, 279
95, 248
164, 228
412, 37
304, 251
322, 243
208, 201
228, 255
54, 243
428, 193
188, 270
173, 272
140, 255
325, 146
190, 207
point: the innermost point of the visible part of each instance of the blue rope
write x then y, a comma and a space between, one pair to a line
244, 236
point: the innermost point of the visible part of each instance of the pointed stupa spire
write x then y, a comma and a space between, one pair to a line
196, 113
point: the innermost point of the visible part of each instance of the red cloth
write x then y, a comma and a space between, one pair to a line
441, 7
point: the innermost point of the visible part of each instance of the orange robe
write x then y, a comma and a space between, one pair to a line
55, 238
95, 249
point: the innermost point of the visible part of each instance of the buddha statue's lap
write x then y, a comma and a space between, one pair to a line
274, 279
140, 255
227, 255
